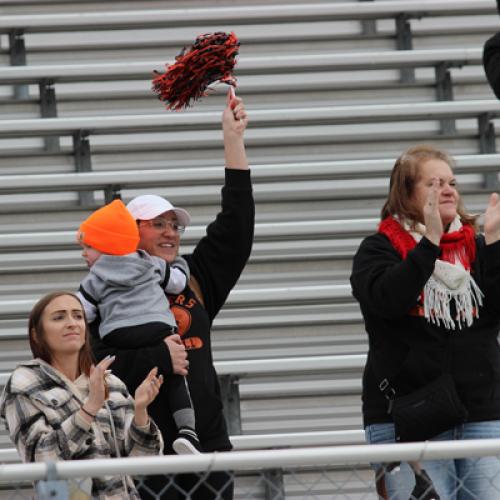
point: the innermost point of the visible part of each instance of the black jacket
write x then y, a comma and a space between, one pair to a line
216, 262
491, 62
408, 349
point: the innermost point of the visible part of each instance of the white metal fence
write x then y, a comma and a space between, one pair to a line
312, 473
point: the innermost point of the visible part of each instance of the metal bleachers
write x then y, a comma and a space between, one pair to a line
335, 91
294, 117
260, 14
322, 62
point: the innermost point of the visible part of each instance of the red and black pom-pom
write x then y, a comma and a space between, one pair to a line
212, 58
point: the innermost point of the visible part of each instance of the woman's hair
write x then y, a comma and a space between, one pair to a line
38, 344
405, 175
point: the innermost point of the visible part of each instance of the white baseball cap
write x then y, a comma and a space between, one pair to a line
149, 206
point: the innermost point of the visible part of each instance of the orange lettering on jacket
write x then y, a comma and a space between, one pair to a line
191, 343
182, 318
190, 303
181, 301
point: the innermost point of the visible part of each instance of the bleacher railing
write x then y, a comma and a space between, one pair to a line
335, 472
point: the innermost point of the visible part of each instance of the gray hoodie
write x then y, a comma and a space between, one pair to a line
129, 290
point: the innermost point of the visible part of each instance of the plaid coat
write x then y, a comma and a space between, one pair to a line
40, 411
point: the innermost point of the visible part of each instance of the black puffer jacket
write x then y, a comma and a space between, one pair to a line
411, 351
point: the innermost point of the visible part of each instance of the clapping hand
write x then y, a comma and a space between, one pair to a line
145, 395
432, 217
492, 220
97, 385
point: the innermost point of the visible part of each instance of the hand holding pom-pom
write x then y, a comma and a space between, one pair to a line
212, 58
234, 117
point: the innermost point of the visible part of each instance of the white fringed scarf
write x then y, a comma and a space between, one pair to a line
450, 282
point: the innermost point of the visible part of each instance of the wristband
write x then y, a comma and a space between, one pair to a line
87, 412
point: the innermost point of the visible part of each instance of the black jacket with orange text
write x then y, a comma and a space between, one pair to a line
216, 263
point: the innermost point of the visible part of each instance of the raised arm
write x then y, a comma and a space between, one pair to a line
234, 123
221, 255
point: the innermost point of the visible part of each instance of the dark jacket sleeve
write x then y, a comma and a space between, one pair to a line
491, 62
220, 256
386, 285
490, 274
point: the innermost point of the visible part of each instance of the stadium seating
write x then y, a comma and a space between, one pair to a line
332, 99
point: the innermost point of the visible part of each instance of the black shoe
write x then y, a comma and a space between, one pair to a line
187, 442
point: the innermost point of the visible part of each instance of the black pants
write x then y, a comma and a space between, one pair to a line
175, 387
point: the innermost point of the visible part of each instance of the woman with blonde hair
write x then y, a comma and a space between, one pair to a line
429, 287
60, 406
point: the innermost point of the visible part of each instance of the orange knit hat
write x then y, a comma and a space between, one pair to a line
110, 229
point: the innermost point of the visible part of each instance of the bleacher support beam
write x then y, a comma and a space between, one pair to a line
444, 92
17, 53
48, 109
487, 145
231, 400
83, 163
368, 26
112, 192
404, 41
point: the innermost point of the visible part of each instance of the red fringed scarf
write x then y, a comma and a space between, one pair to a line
450, 296
212, 58
459, 244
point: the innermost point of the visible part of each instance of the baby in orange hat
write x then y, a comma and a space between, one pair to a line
126, 286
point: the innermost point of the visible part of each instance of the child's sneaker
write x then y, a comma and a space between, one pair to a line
187, 442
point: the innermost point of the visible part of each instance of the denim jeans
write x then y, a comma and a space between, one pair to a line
454, 479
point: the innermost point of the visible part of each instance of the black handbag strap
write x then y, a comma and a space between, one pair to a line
385, 386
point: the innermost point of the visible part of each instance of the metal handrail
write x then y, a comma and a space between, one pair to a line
255, 460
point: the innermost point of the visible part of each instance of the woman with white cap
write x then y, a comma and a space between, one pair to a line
215, 266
